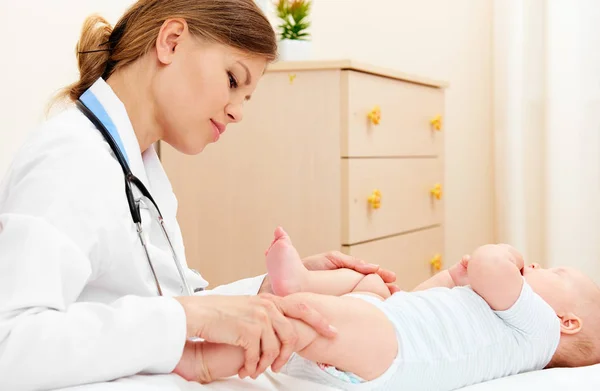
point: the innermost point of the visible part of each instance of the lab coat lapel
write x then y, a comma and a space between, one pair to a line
118, 114
159, 182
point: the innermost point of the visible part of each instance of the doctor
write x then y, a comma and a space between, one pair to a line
86, 293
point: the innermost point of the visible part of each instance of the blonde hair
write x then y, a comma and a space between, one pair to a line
101, 50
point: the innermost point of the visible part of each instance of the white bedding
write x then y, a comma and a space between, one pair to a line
561, 379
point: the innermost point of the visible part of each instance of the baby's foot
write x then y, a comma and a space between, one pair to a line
284, 265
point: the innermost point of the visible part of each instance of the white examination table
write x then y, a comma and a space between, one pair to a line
561, 379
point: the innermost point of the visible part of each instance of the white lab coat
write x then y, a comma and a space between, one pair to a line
78, 302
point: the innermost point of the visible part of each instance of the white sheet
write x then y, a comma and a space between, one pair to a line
559, 379
556, 379
268, 382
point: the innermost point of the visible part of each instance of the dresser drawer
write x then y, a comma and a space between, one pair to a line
411, 256
382, 197
407, 110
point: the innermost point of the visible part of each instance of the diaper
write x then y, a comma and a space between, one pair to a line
346, 377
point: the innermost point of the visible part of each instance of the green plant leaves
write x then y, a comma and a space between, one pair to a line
294, 18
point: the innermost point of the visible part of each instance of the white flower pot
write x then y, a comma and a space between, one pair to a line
295, 50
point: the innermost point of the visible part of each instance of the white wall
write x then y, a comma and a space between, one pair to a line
547, 100
449, 40
39, 59
573, 135
519, 124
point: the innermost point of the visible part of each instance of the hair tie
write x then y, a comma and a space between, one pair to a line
109, 49
94, 51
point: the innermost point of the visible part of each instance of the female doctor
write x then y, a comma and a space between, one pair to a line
91, 287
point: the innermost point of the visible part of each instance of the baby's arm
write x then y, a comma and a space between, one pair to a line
494, 273
455, 276
441, 279
366, 344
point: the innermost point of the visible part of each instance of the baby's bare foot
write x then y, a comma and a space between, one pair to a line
284, 265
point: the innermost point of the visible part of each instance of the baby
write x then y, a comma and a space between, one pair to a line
487, 317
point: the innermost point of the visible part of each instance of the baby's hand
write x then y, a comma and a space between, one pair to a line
459, 273
500, 251
515, 256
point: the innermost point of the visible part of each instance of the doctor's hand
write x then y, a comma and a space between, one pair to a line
257, 324
337, 260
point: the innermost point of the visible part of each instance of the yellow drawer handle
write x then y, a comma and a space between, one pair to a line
375, 199
436, 262
292, 77
436, 122
375, 115
437, 191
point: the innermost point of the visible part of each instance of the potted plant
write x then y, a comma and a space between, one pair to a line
294, 38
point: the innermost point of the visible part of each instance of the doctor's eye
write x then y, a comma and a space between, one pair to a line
232, 81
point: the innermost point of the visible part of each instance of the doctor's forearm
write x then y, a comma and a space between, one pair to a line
49, 340
90, 342
247, 286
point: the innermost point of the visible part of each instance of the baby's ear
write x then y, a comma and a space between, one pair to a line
570, 323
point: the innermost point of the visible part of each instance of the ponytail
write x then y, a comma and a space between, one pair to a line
93, 53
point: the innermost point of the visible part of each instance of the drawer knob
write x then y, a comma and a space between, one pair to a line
436, 262
436, 191
375, 115
375, 199
436, 122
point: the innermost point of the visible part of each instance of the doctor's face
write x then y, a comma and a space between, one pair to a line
202, 90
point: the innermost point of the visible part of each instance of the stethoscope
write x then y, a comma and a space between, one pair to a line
89, 105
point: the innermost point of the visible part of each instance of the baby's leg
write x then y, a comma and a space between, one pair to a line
366, 344
288, 275
338, 282
373, 285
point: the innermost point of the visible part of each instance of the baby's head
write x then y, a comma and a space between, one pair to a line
576, 300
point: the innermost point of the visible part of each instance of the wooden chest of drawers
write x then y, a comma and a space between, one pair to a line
344, 156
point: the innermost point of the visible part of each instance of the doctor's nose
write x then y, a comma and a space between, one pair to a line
235, 112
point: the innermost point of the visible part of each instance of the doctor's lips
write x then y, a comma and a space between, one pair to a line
220, 127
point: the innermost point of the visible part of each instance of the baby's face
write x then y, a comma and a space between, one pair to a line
563, 288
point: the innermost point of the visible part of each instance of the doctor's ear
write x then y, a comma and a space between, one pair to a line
169, 37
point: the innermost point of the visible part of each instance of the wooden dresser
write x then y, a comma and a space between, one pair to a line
344, 156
